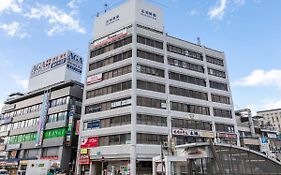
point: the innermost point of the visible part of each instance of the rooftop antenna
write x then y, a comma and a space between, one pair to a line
198, 41
105, 7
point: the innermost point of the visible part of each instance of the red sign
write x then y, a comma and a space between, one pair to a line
229, 136
84, 159
50, 157
110, 38
90, 142
94, 78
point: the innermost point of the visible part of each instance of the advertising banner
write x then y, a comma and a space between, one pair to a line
74, 62
89, 142
84, 151
110, 38
94, 78
70, 123
77, 130
84, 159
42, 119
13, 146
48, 64
227, 135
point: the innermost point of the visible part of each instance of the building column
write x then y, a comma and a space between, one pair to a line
92, 168
133, 157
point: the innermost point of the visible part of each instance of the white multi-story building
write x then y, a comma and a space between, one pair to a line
144, 87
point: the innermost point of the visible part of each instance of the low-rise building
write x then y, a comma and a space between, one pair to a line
272, 117
248, 128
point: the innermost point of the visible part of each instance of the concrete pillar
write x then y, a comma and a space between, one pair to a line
92, 168
153, 167
133, 156
167, 166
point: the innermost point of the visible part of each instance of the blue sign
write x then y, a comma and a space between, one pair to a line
263, 140
96, 124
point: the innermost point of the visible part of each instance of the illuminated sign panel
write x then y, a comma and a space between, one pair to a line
68, 58
110, 38
89, 142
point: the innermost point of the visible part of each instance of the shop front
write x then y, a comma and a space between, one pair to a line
11, 165
110, 167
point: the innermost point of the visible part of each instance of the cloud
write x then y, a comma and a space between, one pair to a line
217, 12
21, 82
240, 2
272, 104
59, 20
261, 77
194, 12
14, 29
72, 3
11, 6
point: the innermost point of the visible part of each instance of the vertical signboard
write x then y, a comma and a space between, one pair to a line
74, 62
264, 145
70, 123
42, 120
77, 130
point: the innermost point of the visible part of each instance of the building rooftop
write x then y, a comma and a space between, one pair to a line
37, 92
269, 110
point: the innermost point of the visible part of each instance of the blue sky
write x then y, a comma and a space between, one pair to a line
248, 31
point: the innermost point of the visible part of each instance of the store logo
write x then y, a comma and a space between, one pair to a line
148, 14
76, 58
112, 20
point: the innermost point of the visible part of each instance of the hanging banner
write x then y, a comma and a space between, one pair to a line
70, 123
77, 130
42, 120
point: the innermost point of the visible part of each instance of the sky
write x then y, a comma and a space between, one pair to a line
248, 31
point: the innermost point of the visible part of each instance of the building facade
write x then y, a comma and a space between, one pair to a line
41, 124
145, 87
249, 128
272, 118
28, 135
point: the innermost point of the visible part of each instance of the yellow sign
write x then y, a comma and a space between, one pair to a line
23, 162
207, 134
84, 151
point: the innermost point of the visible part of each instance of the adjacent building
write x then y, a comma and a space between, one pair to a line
41, 124
258, 134
145, 87
272, 118
249, 128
